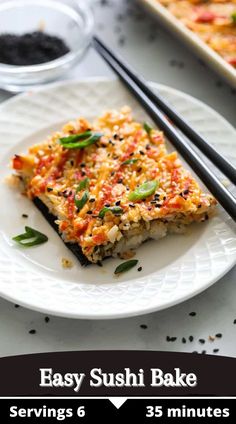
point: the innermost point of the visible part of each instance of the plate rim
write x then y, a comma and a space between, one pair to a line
146, 309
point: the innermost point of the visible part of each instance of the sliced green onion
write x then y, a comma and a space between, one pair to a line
126, 266
80, 141
79, 203
233, 16
143, 191
129, 161
75, 137
147, 128
34, 237
116, 210
83, 184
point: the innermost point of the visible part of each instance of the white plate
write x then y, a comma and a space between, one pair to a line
193, 40
174, 268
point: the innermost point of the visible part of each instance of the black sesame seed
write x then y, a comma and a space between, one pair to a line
195, 351
185, 192
171, 339
158, 205
156, 196
24, 215
83, 173
120, 181
235, 321
139, 169
191, 338
183, 340
49, 189
199, 206
107, 205
92, 200
72, 163
82, 165
216, 350
115, 136
89, 213
140, 268
218, 335
192, 314
148, 147
32, 331
16, 305
117, 203
141, 152
112, 173
153, 202
143, 326
131, 205
46, 319
131, 154
202, 341
203, 352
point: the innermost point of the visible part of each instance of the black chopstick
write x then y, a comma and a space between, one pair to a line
218, 160
224, 197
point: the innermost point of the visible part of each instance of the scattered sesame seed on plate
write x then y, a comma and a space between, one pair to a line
143, 326
218, 335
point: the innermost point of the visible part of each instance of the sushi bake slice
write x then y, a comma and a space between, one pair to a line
110, 185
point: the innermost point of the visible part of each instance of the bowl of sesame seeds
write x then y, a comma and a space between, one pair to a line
40, 40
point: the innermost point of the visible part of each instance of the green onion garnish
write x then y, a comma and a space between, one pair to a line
80, 141
143, 191
233, 16
147, 128
116, 210
79, 203
129, 161
34, 237
126, 266
83, 184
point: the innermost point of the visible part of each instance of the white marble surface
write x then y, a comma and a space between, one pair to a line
158, 57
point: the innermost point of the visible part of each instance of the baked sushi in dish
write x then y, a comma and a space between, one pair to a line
214, 21
110, 185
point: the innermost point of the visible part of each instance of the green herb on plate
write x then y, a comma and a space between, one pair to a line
129, 161
233, 16
83, 184
116, 210
126, 266
30, 238
79, 203
147, 128
80, 141
143, 191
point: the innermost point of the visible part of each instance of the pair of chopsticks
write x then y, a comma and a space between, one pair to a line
164, 117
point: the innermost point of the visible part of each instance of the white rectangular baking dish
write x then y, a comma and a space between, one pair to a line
202, 49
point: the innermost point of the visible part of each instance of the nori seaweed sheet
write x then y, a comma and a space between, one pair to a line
74, 248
